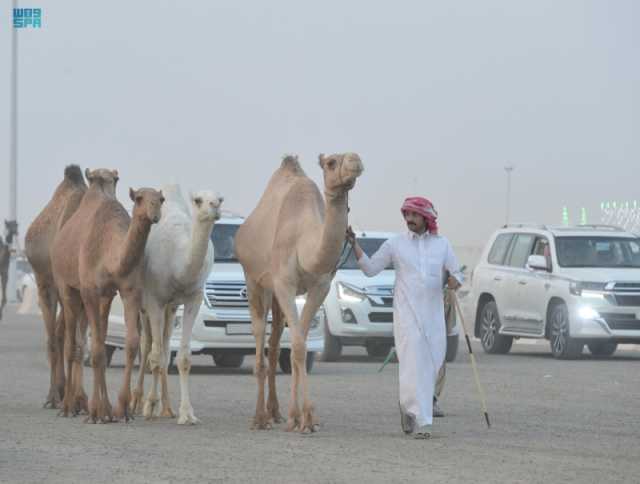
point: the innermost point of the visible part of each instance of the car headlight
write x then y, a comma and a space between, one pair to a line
349, 293
587, 289
587, 312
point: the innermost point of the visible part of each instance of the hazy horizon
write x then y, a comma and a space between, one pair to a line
435, 97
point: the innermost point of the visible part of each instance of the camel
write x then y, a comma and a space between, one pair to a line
37, 248
99, 251
290, 245
5, 258
178, 258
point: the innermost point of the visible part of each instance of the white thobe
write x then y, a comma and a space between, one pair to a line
418, 313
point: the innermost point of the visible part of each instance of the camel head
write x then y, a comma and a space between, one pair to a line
340, 171
147, 203
206, 206
103, 178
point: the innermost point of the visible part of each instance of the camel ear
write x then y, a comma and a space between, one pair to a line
87, 174
220, 199
132, 194
161, 197
321, 159
115, 176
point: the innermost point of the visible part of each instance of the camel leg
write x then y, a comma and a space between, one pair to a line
132, 300
277, 326
315, 298
191, 307
145, 349
5, 280
259, 311
80, 397
169, 316
155, 315
72, 307
99, 406
48, 299
286, 299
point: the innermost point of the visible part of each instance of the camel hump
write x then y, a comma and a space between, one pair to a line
291, 163
73, 173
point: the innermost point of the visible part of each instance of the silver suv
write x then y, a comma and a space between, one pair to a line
571, 285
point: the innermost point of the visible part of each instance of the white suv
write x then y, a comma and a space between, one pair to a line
222, 327
359, 309
571, 285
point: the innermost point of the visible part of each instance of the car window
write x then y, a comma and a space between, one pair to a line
499, 249
521, 250
598, 251
223, 237
369, 246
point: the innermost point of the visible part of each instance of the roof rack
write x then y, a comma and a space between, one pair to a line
615, 228
525, 226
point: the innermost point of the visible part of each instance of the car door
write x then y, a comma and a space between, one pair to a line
533, 286
514, 317
492, 277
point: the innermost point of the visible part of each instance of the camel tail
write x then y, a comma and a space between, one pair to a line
73, 173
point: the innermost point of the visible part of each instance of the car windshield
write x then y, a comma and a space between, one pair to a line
598, 251
368, 245
223, 236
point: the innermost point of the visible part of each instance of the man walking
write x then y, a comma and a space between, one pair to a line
419, 257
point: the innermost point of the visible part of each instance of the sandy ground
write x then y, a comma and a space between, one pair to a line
553, 421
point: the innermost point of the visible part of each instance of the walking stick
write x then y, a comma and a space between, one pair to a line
473, 361
392, 353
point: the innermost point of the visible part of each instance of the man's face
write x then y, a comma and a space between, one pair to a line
415, 222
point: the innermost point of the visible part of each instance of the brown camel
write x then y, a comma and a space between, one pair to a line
5, 258
37, 247
290, 245
98, 252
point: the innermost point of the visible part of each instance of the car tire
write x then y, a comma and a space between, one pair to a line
285, 361
563, 346
492, 341
604, 348
332, 345
453, 341
228, 360
378, 349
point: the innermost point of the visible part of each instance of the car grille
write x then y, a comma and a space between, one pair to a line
627, 293
381, 317
226, 294
621, 321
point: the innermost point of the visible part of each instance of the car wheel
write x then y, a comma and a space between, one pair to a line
332, 345
605, 348
492, 341
563, 346
378, 349
285, 361
228, 360
452, 347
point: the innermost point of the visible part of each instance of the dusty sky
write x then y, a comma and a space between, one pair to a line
436, 97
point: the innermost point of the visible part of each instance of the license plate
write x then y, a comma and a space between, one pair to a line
238, 329
244, 329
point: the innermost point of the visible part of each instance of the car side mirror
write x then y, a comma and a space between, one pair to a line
537, 263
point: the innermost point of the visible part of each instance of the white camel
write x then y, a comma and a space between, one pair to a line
178, 259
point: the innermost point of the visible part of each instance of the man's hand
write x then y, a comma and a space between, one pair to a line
452, 283
351, 236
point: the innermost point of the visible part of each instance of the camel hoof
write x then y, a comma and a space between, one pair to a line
188, 420
52, 402
150, 409
167, 412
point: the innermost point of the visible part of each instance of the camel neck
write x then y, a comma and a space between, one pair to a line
199, 245
332, 235
134, 244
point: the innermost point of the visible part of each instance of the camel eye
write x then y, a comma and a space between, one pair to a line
198, 201
331, 164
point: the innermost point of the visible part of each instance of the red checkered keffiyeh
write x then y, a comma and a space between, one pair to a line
425, 208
